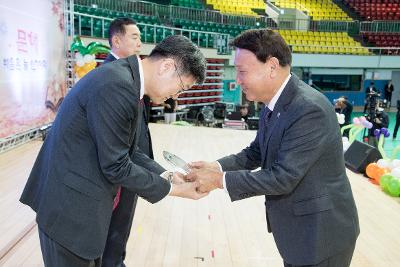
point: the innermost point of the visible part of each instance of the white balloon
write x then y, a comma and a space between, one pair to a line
384, 163
396, 172
78, 56
340, 118
395, 163
80, 62
88, 58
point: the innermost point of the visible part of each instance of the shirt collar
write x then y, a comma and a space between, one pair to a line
141, 74
117, 57
271, 104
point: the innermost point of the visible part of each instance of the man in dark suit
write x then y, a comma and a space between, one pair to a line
124, 39
388, 92
90, 152
343, 106
309, 203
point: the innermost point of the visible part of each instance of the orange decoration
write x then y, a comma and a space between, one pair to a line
371, 170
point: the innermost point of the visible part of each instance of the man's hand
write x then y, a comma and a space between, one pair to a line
178, 178
208, 179
187, 190
204, 164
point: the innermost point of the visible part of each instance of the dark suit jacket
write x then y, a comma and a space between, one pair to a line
309, 204
144, 143
88, 153
109, 58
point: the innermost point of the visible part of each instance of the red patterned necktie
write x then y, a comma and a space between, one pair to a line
117, 197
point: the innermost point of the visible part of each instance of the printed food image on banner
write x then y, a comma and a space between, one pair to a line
32, 64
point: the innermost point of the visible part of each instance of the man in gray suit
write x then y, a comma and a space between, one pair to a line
90, 152
309, 203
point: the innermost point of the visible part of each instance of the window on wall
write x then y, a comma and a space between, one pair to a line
327, 82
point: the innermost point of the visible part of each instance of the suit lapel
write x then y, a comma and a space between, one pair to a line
279, 110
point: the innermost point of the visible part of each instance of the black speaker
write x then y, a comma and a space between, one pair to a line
359, 155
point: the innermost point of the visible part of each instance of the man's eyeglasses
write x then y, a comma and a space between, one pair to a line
181, 82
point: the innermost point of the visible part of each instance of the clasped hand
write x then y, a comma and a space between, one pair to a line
207, 174
203, 178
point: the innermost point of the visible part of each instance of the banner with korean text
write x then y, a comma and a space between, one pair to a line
32, 63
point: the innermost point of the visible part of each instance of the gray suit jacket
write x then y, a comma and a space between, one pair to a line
309, 203
90, 152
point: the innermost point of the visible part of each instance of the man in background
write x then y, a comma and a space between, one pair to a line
379, 120
388, 92
343, 106
124, 39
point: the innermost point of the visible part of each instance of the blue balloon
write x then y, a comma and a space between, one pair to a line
377, 132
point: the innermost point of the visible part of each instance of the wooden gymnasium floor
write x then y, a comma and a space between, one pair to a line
209, 232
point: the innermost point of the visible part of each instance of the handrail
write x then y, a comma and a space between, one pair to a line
152, 27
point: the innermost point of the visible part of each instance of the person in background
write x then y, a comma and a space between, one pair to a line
388, 92
124, 39
380, 121
371, 88
371, 93
244, 111
343, 106
396, 127
170, 107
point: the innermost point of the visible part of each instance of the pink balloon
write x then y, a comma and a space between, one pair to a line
356, 121
363, 119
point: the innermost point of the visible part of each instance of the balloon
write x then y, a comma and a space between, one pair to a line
87, 67
88, 58
396, 172
80, 73
92, 64
387, 134
369, 125
394, 187
356, 121
362, 119
377, 133
395, 163
78, 56
379, 173
371, 170
92, 48
340, 118
99, 49
383, 163
384, 181
384, 130
80, 62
